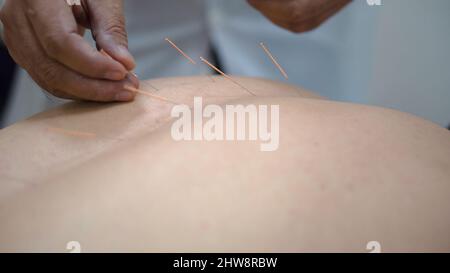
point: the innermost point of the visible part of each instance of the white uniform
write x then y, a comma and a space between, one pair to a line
336, 60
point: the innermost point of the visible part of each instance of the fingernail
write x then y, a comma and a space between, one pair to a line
124, 96
115, 75
133, 80
125, 53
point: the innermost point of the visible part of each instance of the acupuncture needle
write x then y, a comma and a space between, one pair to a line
225, 75
275, 62
135, 90
180, 51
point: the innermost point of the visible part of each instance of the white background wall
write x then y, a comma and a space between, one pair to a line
412, 58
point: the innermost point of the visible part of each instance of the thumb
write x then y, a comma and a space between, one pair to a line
109, 31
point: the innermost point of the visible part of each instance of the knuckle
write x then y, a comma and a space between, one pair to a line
115, 24
116, 27
50, 75
53, 44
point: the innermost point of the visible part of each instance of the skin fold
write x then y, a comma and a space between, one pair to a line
344, 175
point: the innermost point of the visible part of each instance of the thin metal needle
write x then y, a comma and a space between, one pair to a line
226, 76
135, 90
275, 62
181, 51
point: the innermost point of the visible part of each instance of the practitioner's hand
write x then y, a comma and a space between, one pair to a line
45, 38
298, 15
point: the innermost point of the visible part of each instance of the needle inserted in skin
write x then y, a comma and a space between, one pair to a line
181, 51
149, 84
185, 55
274, 61
72, 132
135, 90
103, 52
225, 75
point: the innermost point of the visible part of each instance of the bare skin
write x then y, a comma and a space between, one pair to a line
343, 175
